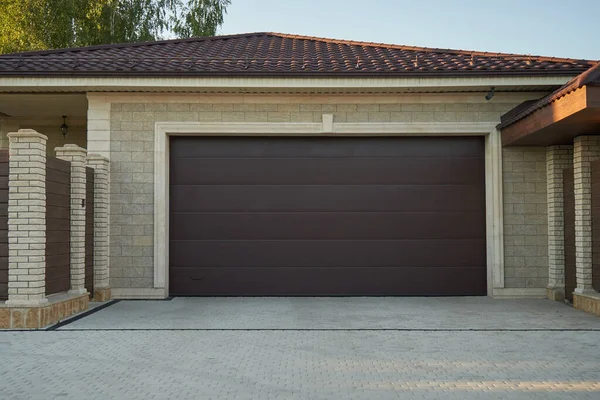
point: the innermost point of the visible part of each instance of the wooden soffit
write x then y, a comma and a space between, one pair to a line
577, 113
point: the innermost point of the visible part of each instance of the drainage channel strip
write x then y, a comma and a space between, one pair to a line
320, 330
80, 316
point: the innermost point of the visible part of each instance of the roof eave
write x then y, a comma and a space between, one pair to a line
365, 74
558, 122
65, 83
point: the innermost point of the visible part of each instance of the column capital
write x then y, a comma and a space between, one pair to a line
94, 158
27, 135
70, 149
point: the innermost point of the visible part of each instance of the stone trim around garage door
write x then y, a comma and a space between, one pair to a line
493, 154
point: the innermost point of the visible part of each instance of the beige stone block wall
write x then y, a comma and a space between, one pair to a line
132, 153
525, 217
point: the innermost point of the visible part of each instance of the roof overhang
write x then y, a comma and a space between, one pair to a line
9, 84
577, 113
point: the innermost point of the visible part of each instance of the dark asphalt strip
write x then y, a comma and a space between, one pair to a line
314, 330
165, 299
80, 316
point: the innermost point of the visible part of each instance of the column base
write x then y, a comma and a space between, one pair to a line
519, 293
588, 302
79, 291
556, 293
585, 291
26, 303
102, 294
38, 316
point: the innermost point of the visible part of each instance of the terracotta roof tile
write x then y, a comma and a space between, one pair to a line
276, 54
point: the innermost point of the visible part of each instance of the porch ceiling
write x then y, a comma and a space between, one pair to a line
41, 105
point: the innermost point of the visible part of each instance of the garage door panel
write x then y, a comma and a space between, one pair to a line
236, 147
261, 281
416, 198
358, 225
318, 171
327, 253
327, 216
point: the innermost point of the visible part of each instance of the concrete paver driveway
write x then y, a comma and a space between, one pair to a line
310, 348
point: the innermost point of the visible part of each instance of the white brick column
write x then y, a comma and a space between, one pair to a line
98, 124
557, 159
585, 150
77, 157
27, 219
101, 273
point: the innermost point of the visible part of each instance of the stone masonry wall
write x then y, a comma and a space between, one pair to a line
525, 217
132, 158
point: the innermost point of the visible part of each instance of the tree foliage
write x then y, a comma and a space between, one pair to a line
51, 24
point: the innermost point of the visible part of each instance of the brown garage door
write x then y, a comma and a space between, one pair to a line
327, 216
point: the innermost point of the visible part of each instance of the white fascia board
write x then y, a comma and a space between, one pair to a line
165, 84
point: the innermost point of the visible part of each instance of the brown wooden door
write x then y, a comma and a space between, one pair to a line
89, 231
569, 221
3, 225
596, 224
325, 216
58, 223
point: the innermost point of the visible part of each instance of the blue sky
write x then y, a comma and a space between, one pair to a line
560, 28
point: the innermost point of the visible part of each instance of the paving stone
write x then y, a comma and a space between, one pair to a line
299, 365
340, 313
305, 361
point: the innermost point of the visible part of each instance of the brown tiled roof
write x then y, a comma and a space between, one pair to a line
276, 54
591, 77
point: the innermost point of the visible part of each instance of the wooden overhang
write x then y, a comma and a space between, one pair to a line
571, 111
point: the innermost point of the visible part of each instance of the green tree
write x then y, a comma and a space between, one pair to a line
51, 24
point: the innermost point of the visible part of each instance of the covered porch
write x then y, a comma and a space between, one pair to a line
567, 124
44, 113
53, 210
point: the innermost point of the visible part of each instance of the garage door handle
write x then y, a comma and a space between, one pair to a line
197, 278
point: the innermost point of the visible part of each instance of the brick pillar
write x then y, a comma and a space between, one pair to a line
27, 219
585, 150
77, 157
557, 159
101, 273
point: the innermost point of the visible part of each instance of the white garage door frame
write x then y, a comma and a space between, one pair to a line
493, 174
